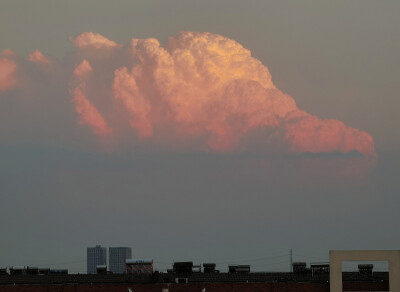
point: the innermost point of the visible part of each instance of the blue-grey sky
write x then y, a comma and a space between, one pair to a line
61, 190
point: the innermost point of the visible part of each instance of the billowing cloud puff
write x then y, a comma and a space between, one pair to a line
93, 40
7, 74
38, 57
88, 112
212, 88
199, 89
138, 106
306, 133
83, 69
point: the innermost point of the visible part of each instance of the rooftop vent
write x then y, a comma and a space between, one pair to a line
365, 269
209, 267
101, 269
239, 269
299, 267
319, 269
32, 270
183, 267
18, 270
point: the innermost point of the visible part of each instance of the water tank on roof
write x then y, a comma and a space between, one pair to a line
101, 269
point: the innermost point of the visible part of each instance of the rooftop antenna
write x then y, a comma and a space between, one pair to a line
291, 261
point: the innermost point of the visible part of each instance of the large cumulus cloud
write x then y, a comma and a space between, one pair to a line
199, 88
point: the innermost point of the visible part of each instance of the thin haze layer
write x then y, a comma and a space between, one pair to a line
200, 87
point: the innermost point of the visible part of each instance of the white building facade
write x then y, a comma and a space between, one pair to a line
96, 256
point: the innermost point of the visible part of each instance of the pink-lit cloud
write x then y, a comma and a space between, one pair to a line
88, 112
213, 88
307, 133
93, 40
7, 74
138, 106
201, 89
83, 69
37, 57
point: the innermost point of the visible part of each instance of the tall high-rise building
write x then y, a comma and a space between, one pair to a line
96, 256
118, 255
